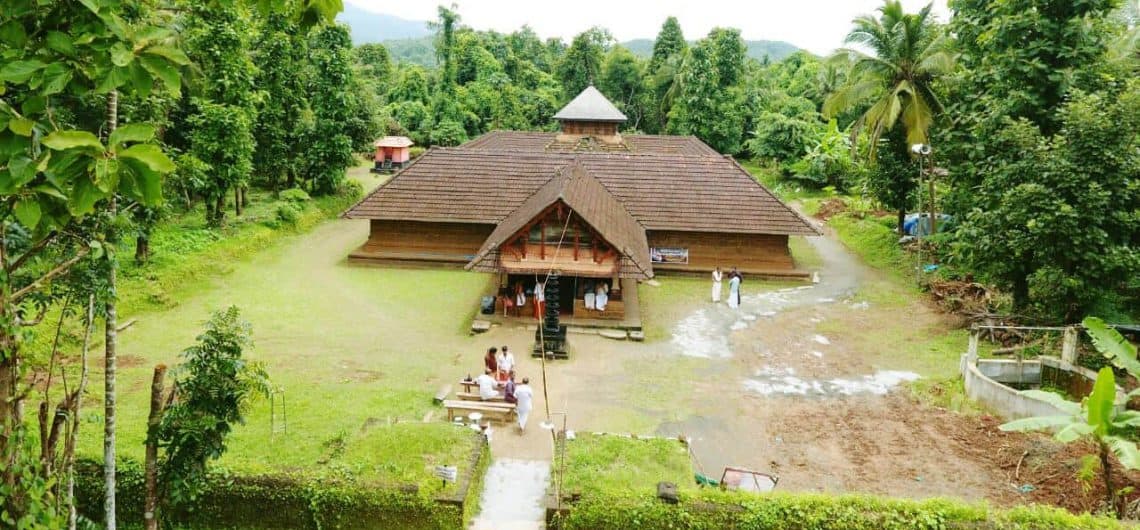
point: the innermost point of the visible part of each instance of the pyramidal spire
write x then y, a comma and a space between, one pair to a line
590, 105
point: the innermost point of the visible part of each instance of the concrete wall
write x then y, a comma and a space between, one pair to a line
984, 383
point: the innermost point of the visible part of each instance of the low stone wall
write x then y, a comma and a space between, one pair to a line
987, 382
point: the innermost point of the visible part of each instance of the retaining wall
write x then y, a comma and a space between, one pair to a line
987, 379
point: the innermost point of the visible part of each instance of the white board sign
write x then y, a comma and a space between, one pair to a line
448, 473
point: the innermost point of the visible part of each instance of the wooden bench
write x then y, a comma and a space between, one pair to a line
489, 409
474, 396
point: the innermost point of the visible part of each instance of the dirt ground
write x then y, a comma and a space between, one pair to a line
805, 383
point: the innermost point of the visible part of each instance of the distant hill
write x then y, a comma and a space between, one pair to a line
775, 50
420, 50
376, 27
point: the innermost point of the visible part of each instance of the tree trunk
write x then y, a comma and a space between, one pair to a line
291, 180
73, 434
1020, 291
902, 220
1106, 473
219, 210
142, 249
150, 511
9, 411
110, 348
237, 201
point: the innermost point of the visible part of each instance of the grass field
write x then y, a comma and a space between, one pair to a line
609, 463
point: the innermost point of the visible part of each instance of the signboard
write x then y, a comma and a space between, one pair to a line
447, 473
669, 255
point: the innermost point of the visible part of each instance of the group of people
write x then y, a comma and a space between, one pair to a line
499, 373
518, 300
735, 278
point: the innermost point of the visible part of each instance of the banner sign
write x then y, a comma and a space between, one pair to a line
448, 473
669, 255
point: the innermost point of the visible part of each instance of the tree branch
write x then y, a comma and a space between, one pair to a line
30, 252
59, 269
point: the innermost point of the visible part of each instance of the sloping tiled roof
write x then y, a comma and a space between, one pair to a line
640, 144
591, 202
394, 141
590, 105
662, 192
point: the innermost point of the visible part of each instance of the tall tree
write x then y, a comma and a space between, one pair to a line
669, 50
281, 113
329, 148
670, 43
581, 65
895, 86
621, 83
709, 102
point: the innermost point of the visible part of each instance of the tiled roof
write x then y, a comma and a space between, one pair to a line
590, 105
592, 203
660, 191
640, 144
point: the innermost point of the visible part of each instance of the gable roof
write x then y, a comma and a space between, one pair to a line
590, 105
394, 141
592, 202
639, 144
662, 192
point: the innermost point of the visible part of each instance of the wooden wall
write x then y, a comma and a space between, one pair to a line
419, 241
592, 128
756, 253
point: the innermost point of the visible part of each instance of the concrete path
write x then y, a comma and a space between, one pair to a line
513, 493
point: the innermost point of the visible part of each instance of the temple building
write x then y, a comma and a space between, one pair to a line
593, 204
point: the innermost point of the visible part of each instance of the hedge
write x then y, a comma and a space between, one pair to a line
712, 509
290, 501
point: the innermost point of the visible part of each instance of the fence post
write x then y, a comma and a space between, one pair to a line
972, 350
1069, 345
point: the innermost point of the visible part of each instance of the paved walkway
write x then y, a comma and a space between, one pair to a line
513, 492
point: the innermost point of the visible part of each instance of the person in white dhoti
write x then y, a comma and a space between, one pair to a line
505, 362
539, 300
520, 296
601, 296
734, 291
487, 387
524, 397
716, 287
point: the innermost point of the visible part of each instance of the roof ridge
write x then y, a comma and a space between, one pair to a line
385, 184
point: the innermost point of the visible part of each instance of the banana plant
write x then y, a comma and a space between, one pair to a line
1112, 345
1096, 419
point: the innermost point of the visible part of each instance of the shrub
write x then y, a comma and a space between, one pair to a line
288, 213
295, 195
350, 188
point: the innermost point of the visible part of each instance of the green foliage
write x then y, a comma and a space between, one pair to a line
581, 66
828, 161
295, 195
288, 213
708, 510
621, 82
282, 112
605, 463
1053, 219
329, 149
1112, 345
709, 101
32, 494
895, 82
221, 139
213, 388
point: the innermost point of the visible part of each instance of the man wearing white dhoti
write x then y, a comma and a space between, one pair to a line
734, 291
539, 300
487, 386
601, 296
524, 397
716, 287
505, 363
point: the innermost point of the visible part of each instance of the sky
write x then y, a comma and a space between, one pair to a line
816, 25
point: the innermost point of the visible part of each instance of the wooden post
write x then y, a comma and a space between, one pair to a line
972, 350
575, 245
1069, 345
542, 240
150, 511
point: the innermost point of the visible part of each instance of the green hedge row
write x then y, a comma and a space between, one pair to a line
273, 502
710, 509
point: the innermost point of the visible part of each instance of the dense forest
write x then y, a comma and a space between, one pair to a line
118, 113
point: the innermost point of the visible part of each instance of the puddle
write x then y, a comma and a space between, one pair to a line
818, 354
821, 340
782, 381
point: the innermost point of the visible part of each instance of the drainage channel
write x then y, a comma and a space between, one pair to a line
513, 493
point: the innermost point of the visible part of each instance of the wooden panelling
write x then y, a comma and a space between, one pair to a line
749, 252
418, 241
592, 128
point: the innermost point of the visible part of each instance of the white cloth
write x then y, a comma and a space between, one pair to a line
539, 292
589, 300
734, 292
601, 299
520, 300
716, 286
487, 388
505, 362
525, 397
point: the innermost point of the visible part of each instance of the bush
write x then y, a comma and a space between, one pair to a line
349, 188
295, 195
288, 213
712, 509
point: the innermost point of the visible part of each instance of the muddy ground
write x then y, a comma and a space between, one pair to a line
808, 383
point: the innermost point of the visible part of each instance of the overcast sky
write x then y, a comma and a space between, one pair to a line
817, 25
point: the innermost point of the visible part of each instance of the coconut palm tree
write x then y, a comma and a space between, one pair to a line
908, 53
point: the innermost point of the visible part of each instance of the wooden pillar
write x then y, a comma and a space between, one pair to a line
575, 245
542, 240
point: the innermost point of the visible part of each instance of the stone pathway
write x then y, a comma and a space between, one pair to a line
513, 492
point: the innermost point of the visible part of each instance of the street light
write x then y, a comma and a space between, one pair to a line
923, 151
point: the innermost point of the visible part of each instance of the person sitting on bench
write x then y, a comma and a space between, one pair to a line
487, 387
509, 390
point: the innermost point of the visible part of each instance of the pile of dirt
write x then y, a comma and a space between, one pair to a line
1038, 469
965, 298
830, 208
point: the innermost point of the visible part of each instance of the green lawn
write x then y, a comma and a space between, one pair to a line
609, 463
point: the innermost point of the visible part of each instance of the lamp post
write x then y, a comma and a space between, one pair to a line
923, 151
